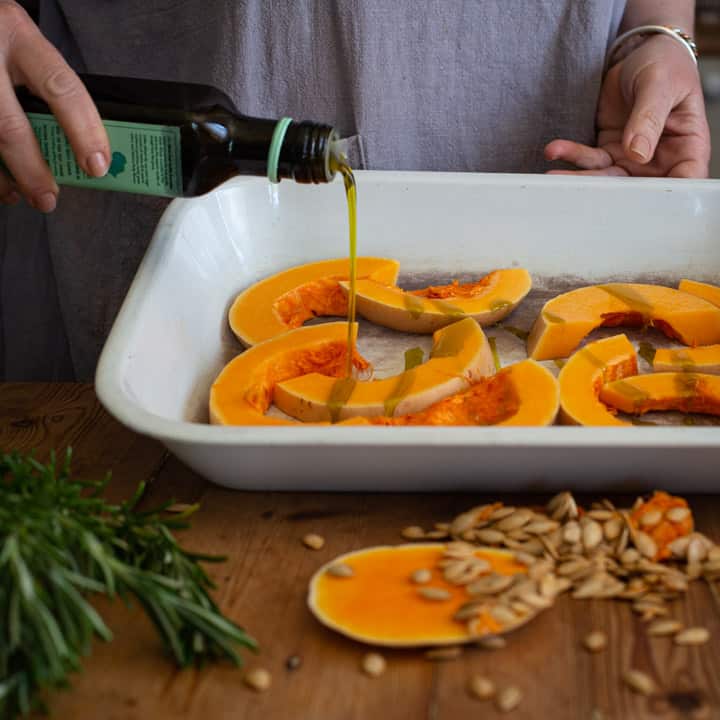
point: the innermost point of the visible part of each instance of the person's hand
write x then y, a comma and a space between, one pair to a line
27, 58
651, 118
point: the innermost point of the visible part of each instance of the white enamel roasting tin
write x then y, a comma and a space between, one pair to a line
171, 337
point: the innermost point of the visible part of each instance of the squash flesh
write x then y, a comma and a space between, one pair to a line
487, 300
685, 392
460, 355
380, 604
584, 374
566, 319
287, 299
705, 359
242, 392
708, 292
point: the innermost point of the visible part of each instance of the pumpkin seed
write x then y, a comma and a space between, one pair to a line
509, 698
501, 512
572, 532
692, 636
541, 527
340, 570
490, 536
540, 568
434, 593
592, 535
535, 600
696, 552
714, 554
491, 642
503, 615
490, 584
650, 519
481, 687
595, 641
435, 534
639, 682
659, 628
421, 576
679, 546
459, 550
645, 544
462, 523
525, 558
373, 664
590, 587
313, 541
600, 514
677, 514
516, 520
413, 532
444, 653
612, 528
469, 611
258, 679
572, 566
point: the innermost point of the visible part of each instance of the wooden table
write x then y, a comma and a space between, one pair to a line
262, 586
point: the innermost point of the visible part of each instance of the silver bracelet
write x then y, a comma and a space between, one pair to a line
682, 37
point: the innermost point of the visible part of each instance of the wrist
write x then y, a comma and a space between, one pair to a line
629, 41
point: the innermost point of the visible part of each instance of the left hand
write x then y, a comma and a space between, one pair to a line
651, 118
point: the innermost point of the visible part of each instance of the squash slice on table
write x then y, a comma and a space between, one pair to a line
288, 299
686, 392
381, 605
566, 319
243, 391
487, 300
523, 394
584, 374
705, 359
460, 355
708, 292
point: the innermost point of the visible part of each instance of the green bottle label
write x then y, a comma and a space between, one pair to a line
145, 158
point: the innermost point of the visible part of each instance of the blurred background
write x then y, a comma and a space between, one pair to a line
707, 32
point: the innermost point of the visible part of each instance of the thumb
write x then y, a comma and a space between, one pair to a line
651, 107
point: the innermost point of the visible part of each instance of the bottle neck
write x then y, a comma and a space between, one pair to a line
304, 153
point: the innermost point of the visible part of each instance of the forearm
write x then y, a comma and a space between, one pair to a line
677, 13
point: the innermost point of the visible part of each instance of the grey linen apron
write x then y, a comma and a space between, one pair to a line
461, 85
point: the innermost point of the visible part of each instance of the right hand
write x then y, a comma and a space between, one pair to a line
28, 58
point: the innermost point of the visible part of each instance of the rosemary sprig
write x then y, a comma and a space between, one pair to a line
61, 541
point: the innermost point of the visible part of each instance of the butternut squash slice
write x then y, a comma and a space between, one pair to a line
460, 355
243, 391
424, 311
708, 292
584, 374
685, 392
288, 299
657, 518
379, 604
705, 359
522, 394
566, 319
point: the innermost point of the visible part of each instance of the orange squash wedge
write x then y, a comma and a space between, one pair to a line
708, 292
379, 604
288, 299
705, 359
243, 391
566, 319
460, 355
584, 374
686, 392
523, 394
424, 311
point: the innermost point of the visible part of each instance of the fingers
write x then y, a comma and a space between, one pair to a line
41, 67
690, 169
653, 102
613, 171
21, 154
583, 156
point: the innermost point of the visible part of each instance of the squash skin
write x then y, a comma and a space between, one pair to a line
380, 605
708, 292
685, 392
566, 319
255, 316
705, 359
242, 392
467, 358
584, 374
409, 312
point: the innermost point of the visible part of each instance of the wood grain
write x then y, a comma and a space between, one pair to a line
262, 585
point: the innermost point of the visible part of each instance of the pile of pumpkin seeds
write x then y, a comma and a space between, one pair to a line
592, 555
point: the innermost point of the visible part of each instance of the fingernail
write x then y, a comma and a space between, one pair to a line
641, 147
97, 164
45, 203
